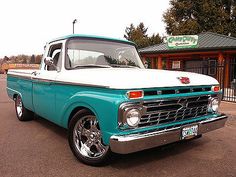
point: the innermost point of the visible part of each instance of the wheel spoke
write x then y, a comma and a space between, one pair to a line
81, 130
100, 147
88, 144
93, 124
85, 148
20, 112
87, 137
77, 134
85, 132
19, 107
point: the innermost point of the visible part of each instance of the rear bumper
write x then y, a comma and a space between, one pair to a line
125, 144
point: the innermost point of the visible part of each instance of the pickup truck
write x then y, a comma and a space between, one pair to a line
99, 89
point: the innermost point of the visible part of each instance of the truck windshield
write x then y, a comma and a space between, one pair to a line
83, 53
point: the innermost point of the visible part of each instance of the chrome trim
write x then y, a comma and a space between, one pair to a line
19, 106
42, 80
19, 76
124, 107
19, 72
210, 100
176, 97
129, 143
178, 89
80, 84
56, 82
141, 106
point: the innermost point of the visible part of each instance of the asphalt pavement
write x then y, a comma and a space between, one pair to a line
39, 148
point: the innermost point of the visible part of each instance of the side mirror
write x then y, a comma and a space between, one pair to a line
146, 64
48, 61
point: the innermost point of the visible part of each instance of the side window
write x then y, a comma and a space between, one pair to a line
55, 51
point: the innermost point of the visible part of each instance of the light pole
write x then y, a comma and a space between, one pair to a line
74, 21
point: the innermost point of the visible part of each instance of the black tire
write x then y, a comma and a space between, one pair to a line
78, 141
22, 113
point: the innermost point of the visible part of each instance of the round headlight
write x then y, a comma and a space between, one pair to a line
214, 104
133, 117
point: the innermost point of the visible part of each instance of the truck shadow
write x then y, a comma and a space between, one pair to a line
156, 154
120, 161
62, 132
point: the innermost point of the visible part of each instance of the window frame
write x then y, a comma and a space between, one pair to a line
100, 39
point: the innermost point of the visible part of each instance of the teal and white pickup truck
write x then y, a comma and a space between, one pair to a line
99, 89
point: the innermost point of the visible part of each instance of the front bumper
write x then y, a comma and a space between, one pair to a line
124, 144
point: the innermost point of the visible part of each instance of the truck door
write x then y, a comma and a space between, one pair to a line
44, 92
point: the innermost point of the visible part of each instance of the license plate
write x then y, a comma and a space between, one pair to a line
189, 132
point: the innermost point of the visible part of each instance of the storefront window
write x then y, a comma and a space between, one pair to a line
212, 67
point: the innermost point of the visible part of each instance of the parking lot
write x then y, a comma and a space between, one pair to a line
40, 148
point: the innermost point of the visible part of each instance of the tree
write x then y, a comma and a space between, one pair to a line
193, 17
38, 59
32, 59
22, 59
139, 36
155, 39
5, 59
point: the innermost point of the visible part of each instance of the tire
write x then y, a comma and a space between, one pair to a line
85, 139
22, 113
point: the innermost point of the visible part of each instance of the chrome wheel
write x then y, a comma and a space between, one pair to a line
87, 138
22, 113
19, 106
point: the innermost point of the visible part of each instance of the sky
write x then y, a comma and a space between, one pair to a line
26, 25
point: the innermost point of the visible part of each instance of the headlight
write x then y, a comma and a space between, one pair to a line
213, 105
133, 117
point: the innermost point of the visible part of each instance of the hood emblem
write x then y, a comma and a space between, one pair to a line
184, 80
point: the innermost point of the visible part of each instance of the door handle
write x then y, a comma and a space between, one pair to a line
33, 76
34, 73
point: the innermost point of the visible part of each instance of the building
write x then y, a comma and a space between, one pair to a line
6, 66
207, 53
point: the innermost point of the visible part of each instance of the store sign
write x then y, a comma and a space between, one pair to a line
175, 64
185, 41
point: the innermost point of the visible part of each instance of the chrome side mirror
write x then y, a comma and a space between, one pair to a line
146, 65
48, 61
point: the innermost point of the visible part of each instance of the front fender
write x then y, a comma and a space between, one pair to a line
104, 105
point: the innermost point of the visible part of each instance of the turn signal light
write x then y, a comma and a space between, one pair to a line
135, 94
215, 88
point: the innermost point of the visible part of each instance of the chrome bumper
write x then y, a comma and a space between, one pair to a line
124, 144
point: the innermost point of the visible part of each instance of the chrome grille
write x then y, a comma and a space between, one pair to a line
160, 112
176, 90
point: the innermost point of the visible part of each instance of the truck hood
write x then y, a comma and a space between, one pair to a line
130, 78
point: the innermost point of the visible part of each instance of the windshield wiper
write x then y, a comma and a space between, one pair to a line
123, 66
90, 66
114, 62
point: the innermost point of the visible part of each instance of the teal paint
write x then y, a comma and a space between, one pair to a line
90, 36
55, 102
24, 87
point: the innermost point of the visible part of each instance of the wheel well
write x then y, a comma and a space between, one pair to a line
75, 110
14, 96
